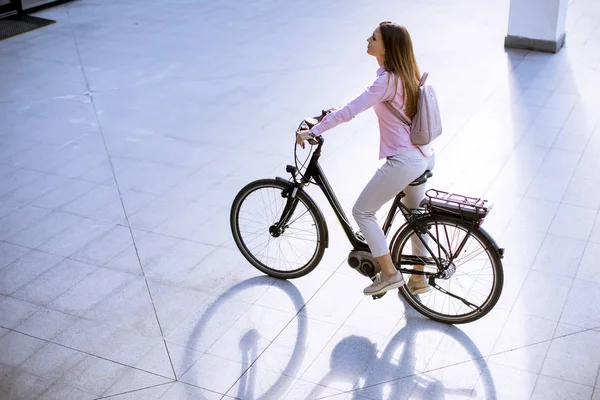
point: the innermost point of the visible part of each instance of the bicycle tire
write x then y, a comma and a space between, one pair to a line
318, 220
480, 238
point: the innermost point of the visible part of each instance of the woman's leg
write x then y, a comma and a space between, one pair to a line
414, 194
388, 181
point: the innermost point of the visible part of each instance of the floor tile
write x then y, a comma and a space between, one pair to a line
181, 390
559, 255
573, 222
214, 373
582, 351
17, 348
543, 295
582, 306
551, 388
54, 282
26, 269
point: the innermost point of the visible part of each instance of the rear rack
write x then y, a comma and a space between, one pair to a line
468, 208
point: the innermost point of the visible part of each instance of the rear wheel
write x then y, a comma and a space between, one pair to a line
291, 253
473, 279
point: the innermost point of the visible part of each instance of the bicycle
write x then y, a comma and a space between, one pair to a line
287, 237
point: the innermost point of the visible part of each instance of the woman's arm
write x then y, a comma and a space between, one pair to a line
374, 94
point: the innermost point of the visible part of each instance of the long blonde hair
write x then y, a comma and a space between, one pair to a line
400, 61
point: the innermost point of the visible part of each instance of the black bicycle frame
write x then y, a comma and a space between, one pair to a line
316, 173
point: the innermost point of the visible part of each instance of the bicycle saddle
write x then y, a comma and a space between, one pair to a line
422, 179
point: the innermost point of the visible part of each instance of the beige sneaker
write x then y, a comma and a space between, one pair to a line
383, 284
417, 286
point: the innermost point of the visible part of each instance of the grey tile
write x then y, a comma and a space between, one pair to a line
26, 269
257, 383
54, 282
162, 362
52, 361
156, 212
208, 323
582, 307
17, 348
130, 307
93, 375
180, 390
18, 384
214, 373
18, 179
64, 194
595, 235
21, 219
528, 358
105, 247
188, 221
36, 188
13, 312
534, 215
550, 388
573, 222
306, 390
250, 335
92, 201
560, 162
543, 295
521, 331
45, 229
336, 310
333, 368
90, 291
76, 237
174, 303
560, 255
66, 392
9, 253
46, 323
584, 193
507, 383
134, 379
549, 187
572, 140
183, 263
588, 267
521, 247
582, 350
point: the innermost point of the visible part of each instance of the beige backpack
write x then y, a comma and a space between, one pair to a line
427, 123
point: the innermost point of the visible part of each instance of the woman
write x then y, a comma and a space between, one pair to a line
397, 83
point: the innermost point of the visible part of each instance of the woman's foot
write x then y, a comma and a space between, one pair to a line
417, 286
384, 283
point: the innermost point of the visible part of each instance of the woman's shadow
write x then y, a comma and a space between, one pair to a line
249, 341
394, 376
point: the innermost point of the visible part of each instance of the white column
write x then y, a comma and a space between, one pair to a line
537, 24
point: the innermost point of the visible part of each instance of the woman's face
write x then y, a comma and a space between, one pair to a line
375, 44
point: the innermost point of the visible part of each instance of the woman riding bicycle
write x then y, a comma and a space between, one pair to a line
397, 82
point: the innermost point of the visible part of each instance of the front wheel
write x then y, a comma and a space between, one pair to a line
470, 282
291, 252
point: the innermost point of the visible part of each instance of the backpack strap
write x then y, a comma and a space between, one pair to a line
396, 113
423, 79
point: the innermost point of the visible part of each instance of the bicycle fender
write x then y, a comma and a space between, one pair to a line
499, 250
311, 203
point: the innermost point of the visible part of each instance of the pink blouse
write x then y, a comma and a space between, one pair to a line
394, 135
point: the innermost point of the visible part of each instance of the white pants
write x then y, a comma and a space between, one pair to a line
393, 177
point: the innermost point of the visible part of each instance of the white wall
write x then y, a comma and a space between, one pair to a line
537, 19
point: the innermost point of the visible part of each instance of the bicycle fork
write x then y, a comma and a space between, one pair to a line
290, 206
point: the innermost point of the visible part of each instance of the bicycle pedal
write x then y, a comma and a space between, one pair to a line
378, 296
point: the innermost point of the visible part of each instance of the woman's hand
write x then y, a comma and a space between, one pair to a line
302, 136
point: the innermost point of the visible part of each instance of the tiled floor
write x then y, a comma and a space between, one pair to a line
127, 127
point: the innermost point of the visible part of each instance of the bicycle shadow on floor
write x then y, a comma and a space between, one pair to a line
249, 342
392, 372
